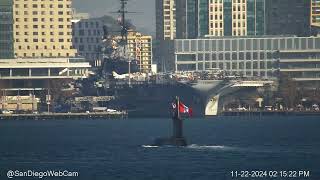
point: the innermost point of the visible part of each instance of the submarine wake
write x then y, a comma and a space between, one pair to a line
149, 146
210, 147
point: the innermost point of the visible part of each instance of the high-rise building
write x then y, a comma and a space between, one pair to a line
315, 13
202, 17
139, 47
87, 37
42, 28
6, 29
165, 19
236, 17
288, 17
192, 18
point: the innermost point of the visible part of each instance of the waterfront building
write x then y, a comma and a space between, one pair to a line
139, 47
288, 17
263, 56
42, 28
87, 37
43, 68
6, 29
165, 19
236, 17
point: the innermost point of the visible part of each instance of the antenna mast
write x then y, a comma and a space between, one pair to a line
124, 28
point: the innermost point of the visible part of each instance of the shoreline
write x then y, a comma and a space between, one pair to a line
45, 116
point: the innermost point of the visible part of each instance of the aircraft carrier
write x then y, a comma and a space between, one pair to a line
154, 100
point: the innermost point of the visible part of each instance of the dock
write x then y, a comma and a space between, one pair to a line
71, 116
270, 113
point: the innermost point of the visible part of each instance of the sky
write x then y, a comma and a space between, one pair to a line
144, 20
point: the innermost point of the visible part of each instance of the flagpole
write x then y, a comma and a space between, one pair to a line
178, 107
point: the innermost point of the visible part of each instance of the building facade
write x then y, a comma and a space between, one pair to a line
139, 47
6, 29
236, 17
42, 28
202, 17
87, 38
250, 56
165, 19
288, 17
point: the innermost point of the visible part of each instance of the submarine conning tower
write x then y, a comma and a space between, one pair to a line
177, 122
177, 138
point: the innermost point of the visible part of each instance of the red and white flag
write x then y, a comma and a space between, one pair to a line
185, 109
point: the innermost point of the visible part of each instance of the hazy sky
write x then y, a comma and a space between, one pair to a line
144, 20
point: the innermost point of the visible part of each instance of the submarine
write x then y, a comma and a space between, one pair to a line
177, 138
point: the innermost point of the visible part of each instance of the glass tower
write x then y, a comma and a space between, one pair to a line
191, 19
227, 17
6, 29
203, 17
260, 17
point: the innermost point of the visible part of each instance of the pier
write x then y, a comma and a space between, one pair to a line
71, 116
270, 113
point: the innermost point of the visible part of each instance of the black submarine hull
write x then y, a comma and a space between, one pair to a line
170, 142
